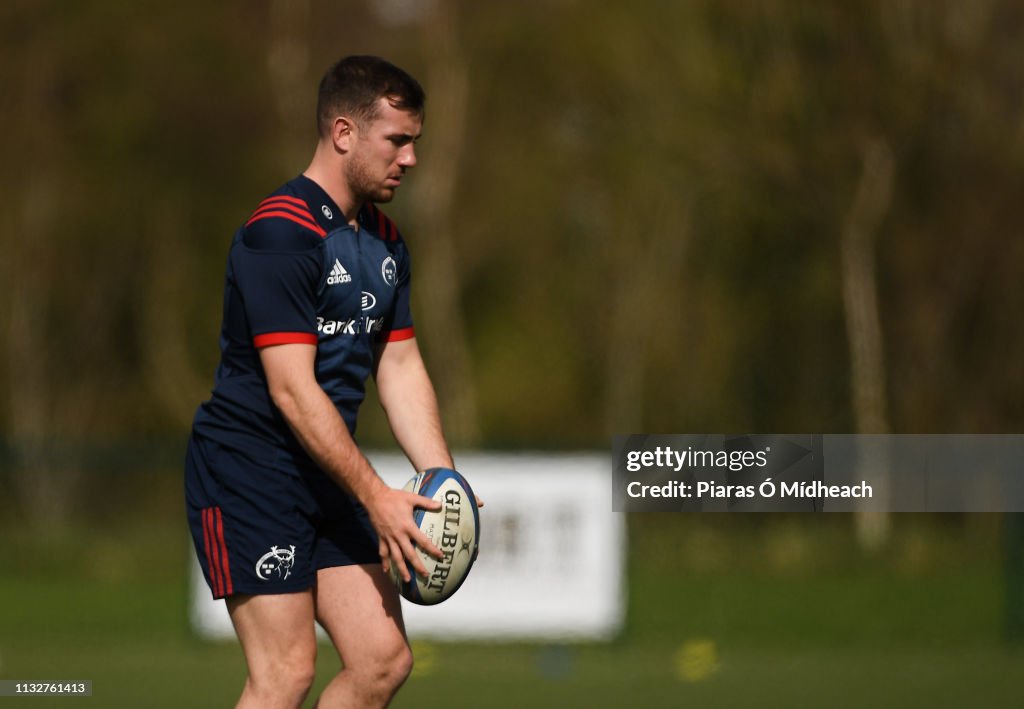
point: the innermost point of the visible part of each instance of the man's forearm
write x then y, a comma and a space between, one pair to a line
416, 425
410, 404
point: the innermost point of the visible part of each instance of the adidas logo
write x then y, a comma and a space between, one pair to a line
338, 274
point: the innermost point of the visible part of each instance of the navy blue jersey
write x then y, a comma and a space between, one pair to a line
299, 273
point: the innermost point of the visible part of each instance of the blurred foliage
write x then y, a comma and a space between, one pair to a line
646, 206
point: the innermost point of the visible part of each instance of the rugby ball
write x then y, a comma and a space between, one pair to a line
455, 530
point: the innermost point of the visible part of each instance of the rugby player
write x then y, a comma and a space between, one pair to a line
289, 519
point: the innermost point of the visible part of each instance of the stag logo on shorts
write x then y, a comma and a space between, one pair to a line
276, 563
389, 270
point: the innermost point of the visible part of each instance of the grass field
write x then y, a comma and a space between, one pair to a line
737, 611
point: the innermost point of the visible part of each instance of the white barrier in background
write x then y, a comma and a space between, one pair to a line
552, 554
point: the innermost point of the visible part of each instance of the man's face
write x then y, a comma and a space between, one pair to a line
381, 153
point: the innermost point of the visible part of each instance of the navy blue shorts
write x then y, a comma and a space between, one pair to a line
259, 530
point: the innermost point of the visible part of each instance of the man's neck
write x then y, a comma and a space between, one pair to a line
329, 177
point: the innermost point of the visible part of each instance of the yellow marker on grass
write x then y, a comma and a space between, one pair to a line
424, 658
696, 660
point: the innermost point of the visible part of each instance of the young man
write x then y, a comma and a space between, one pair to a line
289, 520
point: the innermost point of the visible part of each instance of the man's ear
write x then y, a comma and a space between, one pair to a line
343, 131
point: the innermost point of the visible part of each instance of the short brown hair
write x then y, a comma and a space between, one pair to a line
355, 84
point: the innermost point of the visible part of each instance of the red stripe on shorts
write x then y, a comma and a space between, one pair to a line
212, 557
226, 567
206, 545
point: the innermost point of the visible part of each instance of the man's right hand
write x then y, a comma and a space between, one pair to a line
391, 514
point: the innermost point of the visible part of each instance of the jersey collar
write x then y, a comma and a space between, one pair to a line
327, 214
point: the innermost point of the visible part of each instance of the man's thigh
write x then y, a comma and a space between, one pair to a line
276, 631
358, 606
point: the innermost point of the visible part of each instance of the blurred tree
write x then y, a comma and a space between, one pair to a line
37, 403
434, 202
290, 81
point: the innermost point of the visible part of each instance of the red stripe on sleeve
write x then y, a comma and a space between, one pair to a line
224, 554
299, 208
312, 226
286, 198
284, 338
298, 212
405, 333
